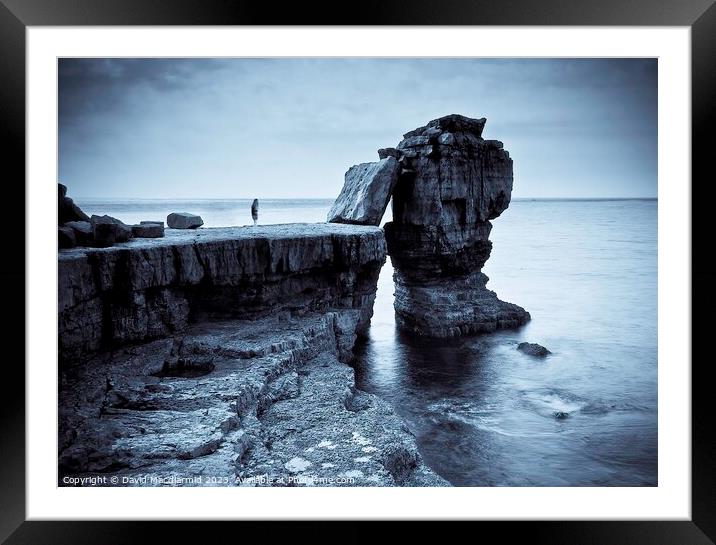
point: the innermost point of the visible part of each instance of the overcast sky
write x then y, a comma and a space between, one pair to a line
272, 128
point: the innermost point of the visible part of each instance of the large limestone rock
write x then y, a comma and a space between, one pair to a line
366, 193
184, 220
452, 183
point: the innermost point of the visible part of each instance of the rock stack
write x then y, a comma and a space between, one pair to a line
450, 182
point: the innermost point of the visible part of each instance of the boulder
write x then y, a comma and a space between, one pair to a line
122, 231
366, 193
82, 230
184, 220
533, 349
145, 222
66, 237
148, 230
67, 210
104, 234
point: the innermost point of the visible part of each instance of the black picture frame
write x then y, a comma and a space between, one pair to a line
16, 15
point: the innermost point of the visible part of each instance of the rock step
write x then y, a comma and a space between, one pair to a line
130, 421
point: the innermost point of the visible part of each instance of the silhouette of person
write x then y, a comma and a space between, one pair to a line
255, 211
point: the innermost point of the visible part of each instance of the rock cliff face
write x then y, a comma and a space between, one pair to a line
452, 183
151, 288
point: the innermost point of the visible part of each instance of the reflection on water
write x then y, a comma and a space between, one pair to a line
486, 414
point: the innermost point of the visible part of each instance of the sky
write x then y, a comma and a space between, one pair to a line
291, 127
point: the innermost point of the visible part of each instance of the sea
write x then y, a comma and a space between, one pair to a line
483, 413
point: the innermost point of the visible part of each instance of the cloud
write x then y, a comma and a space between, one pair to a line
291, 127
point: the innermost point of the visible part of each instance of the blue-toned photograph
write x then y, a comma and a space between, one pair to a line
357, 272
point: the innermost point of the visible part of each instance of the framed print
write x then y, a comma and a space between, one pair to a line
435, 265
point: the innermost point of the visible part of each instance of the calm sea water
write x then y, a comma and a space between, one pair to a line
483, 412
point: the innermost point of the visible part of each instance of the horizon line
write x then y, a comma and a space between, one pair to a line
159, 199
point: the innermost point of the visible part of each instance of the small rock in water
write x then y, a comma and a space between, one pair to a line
560, 415
184, 220
148, 230
533, 349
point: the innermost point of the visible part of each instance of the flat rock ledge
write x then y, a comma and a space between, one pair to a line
254, 403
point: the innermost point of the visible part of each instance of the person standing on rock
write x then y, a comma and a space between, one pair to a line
255, 211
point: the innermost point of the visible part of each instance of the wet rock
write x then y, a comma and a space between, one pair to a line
533, 349
184, 220
148, 230
66, 237
560, 415
450, 187
366, 193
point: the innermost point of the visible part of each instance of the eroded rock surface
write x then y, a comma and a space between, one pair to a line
255, 403
452, 183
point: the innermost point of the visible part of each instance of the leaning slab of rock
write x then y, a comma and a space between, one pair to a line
145, 222
184, 220
148, 230
533, 349
66, 237
366, 193
122, 232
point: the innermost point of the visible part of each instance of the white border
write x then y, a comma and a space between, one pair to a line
671, 499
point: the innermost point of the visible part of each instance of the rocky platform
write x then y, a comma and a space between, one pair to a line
217, 357
254, 403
